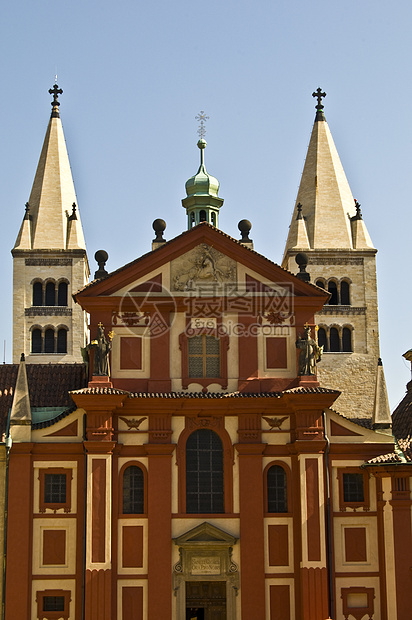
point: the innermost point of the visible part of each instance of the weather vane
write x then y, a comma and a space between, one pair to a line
202, 118
319, 96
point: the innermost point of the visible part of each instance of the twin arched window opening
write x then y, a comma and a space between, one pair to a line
340, 292
49, 340
335, 341
50, 293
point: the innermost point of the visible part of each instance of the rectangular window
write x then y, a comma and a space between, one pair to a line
353, 488
55, 489
204, 357
53, 603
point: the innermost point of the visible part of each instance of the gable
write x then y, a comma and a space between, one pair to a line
205, 532
201, 257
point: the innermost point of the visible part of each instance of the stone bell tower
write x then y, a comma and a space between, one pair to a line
327, 225
49, 259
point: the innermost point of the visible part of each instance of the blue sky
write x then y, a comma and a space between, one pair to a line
136, 74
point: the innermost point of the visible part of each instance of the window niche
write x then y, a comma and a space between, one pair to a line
277, 489
353, 488
55, 489
53, 604
132, 490
204, 473
204, 358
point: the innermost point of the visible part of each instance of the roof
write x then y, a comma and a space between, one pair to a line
51, 198
215, 395
363, 422
200, 227
49, 386
325, 200
402, 431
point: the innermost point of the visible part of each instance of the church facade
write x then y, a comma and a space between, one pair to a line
225, 450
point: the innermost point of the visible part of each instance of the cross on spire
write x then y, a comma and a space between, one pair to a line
55, 91
202, 118
319, 96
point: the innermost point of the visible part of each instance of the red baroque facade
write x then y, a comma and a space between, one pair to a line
203, 478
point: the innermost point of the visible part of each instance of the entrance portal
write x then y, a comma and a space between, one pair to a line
205, 600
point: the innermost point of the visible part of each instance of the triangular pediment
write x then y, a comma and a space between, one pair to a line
202, 256
205, 533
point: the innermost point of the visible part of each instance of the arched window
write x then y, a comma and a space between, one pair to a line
202, 216
37, 294
50, 294
204, 473
346, 340
62, 294
333, 290
133, 490
62, 340
334, 340
213, 219
322, 338
345, 293
49, 341
320, 283
277, 489
192, 219
36, 341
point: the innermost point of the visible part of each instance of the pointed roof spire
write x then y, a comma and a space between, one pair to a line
53, 192
325, 194
20, 415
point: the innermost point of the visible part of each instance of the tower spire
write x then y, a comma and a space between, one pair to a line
53, 193
327, 226
324, 193
202, 203
49, 258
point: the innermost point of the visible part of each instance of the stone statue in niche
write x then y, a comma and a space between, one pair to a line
101, 348
201, 265
310, 353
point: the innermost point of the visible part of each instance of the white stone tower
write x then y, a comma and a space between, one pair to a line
49, 259
327, 225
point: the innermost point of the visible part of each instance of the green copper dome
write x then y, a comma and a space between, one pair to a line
202, 183
202, 202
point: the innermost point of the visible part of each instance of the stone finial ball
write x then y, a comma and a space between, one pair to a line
101, 256
244, 226
301, 259
159, 226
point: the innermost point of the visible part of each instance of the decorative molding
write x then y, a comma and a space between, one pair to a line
335, 261
47, 311
133, 423
49, 262
275, 423
342, 310
205, 421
